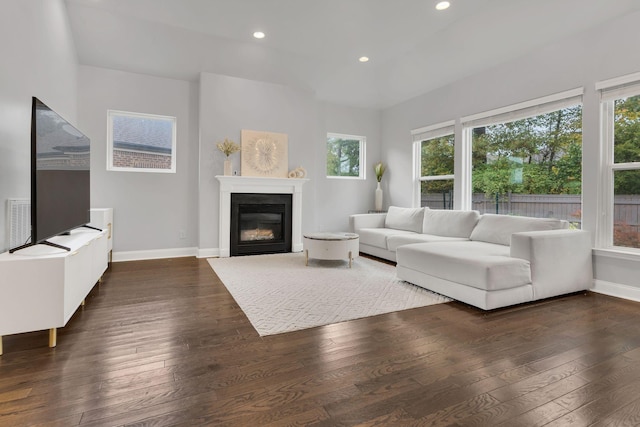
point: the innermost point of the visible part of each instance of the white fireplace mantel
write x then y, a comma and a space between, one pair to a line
249, 184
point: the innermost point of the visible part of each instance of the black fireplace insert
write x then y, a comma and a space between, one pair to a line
260, 223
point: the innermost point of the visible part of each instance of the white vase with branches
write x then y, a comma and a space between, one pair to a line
228, 147
379, 168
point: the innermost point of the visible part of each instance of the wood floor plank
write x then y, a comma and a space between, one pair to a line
162, 342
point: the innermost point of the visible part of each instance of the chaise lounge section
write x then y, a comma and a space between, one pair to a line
488, 261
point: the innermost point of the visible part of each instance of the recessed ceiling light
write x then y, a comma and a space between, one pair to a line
443, 5
363, 59
258, 35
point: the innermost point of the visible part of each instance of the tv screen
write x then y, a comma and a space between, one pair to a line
60, 154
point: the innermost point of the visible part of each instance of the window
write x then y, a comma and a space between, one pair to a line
141, 142
528, 161
621, 139
434, 153
345, 156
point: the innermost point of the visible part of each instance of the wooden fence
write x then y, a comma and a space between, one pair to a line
567, 207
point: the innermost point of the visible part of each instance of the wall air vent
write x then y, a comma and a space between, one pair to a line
18, 222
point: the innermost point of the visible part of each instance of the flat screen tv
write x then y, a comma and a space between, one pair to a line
60, 168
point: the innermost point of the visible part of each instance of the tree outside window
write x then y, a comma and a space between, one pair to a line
436, 172
626, 172
345, 156
531, 166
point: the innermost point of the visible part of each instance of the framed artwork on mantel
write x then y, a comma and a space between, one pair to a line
264, 154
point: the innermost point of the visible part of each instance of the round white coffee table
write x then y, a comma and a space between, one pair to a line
331, 245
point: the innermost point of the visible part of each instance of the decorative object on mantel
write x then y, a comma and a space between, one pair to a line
264, 154
379, 168
298, 172
228, 147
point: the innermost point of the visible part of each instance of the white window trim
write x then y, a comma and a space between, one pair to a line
433, 131
523, 110
362, 158
610, 90
424, 134
112, 113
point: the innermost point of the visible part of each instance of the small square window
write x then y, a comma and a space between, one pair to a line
345, 156
138, 142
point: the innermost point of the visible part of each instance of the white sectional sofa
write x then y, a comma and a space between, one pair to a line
488, 261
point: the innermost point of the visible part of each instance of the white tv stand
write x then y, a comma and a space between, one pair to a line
42, 286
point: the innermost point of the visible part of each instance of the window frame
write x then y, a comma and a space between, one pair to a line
514, 112
110, 149
420, 135
610, 91
362, 165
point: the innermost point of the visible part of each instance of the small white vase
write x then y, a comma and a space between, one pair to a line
227, 167
378, 198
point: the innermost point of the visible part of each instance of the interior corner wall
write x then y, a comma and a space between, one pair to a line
601, 53
229, 105
340, 197
155, 214
38, 59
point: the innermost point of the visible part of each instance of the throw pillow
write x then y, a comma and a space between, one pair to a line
449, 223
408, 219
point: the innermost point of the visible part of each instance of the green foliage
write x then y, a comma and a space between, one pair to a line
627, 144
437, 159
343, 157
379, 169
536, 155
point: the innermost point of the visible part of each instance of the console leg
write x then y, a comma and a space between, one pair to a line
350, 259
306, 257
53, 337
0, 345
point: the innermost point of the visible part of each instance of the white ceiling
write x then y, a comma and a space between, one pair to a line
315, 44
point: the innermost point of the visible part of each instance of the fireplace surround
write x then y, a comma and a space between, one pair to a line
243, 184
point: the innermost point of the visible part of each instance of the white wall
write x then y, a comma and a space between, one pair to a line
339, 198
151, 210
580, 61
230, 104
38, 59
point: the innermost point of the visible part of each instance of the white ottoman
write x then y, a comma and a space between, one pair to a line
331, 245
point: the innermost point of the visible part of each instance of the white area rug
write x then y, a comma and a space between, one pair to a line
278, 293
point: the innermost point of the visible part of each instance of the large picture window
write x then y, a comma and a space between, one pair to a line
529, 162
434, 151
621, 147
345, 156
141, 142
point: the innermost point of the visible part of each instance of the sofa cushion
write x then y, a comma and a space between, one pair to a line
405, 239
449, 223
492, 228
480, 265
378, 236
408, 219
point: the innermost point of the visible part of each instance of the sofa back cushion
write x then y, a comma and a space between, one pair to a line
449, 223
498, 229
409, 219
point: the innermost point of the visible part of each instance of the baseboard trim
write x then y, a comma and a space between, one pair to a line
154, 254
616, 290
208, 253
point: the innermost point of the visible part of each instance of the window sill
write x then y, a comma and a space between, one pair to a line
630, 254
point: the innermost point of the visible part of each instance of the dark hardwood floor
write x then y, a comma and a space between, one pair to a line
163, 343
